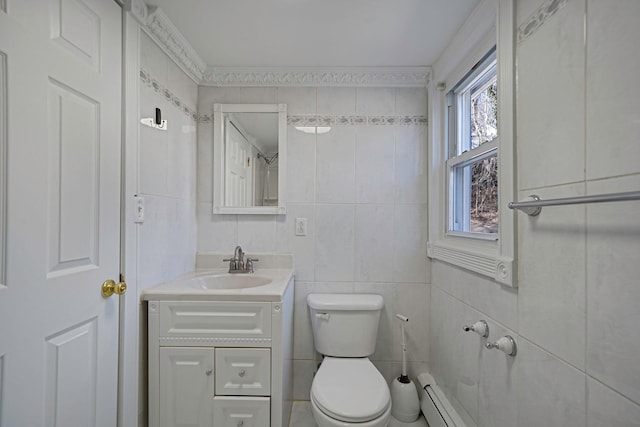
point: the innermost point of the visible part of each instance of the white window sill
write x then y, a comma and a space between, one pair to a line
480, 261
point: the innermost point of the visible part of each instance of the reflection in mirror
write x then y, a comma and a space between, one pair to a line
250, 156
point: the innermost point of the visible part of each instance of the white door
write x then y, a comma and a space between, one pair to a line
60, 140
237, 168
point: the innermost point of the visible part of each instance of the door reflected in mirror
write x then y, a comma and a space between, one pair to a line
249, 158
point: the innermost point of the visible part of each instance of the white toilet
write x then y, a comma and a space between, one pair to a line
347, 390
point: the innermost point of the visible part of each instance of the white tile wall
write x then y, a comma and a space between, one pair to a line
335, 100
375, 101
574, 313
498, 302
409, 244
335, 242
299, 100
373, 259
336, 165
606, 408
410, 181
550, 101
549, 391
612, 93
455, 353
497, 399
301, 163
374, 164
613, 294
302, 246
551, 300
362, 189
167, 176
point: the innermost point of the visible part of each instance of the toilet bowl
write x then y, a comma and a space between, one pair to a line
348, 392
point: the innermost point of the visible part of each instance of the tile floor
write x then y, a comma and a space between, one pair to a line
301, 415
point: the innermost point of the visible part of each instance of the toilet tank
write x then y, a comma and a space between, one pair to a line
345, 325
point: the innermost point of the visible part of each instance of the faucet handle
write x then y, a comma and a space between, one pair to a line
233, 263
506, 344
480, 327
249, 264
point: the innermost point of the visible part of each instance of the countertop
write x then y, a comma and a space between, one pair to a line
185, 289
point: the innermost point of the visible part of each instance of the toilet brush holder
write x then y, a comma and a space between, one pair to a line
405, 404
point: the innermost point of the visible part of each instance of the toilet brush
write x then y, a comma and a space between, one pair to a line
405, 405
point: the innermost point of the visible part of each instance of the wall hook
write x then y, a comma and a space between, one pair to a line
480, 327
155, 122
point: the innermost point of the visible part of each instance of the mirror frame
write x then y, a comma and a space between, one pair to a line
218, 158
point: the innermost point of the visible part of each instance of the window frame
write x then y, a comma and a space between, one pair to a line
459, 153
492, 258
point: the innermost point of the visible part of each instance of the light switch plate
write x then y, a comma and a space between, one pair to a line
138, 206
301, 226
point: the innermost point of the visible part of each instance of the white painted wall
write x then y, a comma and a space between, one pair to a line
363, 191
575, 311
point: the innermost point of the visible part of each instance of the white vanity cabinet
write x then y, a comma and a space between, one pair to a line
220, 363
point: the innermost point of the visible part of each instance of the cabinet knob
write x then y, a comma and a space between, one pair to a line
241, 373
208, 372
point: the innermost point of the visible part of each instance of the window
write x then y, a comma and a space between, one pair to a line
472, 147
472, 164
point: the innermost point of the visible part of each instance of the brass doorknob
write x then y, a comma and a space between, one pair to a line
110, 287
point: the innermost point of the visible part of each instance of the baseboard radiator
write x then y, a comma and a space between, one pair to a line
435, 406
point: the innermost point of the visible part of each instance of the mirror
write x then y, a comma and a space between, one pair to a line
249, 152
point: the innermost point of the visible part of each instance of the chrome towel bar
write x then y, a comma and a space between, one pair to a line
534, 206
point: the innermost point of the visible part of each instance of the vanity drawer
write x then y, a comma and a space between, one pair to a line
243, 371
241, 411
215, 319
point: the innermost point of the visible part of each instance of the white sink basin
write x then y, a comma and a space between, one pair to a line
229, 281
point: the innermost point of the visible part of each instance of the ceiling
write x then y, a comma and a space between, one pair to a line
317, 33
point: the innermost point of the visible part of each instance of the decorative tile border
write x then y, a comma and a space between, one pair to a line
539, 17
149, 81
327, 120
324, 120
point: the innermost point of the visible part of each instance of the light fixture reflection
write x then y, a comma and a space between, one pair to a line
314, 129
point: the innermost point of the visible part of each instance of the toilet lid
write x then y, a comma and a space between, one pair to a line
350, 389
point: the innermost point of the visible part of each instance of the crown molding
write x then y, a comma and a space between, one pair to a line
160, 28
318, 76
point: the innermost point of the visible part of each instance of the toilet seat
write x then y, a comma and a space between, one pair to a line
350, 390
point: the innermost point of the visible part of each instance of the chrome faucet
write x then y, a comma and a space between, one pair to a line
237, 263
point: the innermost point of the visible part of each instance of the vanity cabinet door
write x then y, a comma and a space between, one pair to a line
186, 386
